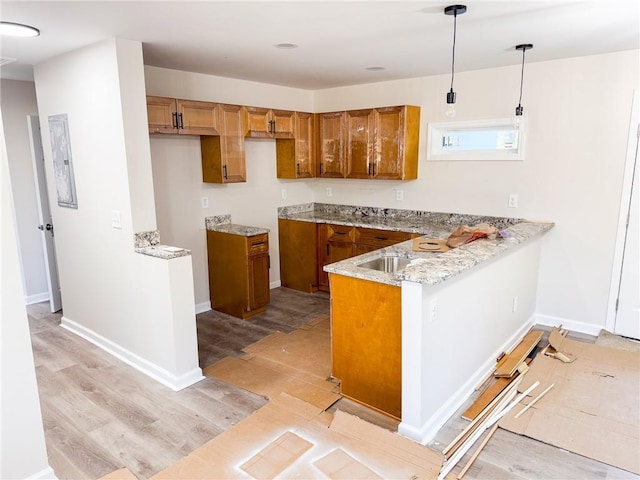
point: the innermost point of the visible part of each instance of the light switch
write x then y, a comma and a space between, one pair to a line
115, 219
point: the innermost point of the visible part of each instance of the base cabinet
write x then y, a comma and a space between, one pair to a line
298, 255
238, 273
366, 342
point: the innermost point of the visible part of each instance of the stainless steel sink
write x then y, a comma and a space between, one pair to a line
386, 263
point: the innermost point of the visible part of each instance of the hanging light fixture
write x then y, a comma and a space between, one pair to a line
519, 113
454, 10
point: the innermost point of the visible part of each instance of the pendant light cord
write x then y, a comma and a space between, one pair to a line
521, 77
453, 56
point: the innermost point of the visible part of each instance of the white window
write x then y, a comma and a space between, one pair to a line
497, 139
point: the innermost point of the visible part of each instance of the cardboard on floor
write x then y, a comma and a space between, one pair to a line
298, 363
289, 438
593, 409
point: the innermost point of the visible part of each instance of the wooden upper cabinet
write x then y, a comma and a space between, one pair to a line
223, 156
161, 114
396, 143
185, 117
360, 131
295, 157
331, 144
198, 118
268, 123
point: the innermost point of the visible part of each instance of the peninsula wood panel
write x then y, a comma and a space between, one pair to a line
366, 342
298, 255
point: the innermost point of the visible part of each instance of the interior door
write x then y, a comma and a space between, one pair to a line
628, 306
44, 213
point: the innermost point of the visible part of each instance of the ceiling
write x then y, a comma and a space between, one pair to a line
337, 41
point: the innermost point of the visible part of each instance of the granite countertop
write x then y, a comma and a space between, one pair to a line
222, 223
429, 268
148, 243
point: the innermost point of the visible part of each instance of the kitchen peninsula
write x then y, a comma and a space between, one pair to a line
413, 343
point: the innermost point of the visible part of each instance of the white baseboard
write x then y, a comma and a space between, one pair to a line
37, 298
203, 307
430, 428
573, 325
275, 284
174, 382
46, 474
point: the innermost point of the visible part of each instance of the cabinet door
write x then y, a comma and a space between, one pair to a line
331, 144
232, 144
282, 123
257, 122
258, 280
161, 115
335, 243
295, 157
198, 118
359, 132
298, 255
396, 150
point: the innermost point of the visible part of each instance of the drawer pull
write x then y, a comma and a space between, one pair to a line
257, 244
381, 238
340, 233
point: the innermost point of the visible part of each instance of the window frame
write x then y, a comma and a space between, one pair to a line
435, 131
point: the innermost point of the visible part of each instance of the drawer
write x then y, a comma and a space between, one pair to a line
341, 233
380, 238
258, 244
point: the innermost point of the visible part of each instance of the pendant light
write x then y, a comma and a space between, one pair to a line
519, 113
454, 10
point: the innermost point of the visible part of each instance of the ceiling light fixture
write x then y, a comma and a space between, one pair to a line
454, 10
286, 46
519, 110
18, 30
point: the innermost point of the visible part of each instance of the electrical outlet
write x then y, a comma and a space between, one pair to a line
513, 200
284, 193
204, 201
433, 309
399, 195
328, 191
515, 304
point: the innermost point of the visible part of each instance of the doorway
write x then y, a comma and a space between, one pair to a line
44, 213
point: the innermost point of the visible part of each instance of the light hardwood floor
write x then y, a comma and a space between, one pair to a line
100, 414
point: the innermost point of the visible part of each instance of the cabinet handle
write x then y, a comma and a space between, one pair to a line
224, 172
174, 119
327, 249
374, 169
298, 169
340, 233
268, 261
381, 238
369, 168
320, 168
181, 122
257, 244
272, 126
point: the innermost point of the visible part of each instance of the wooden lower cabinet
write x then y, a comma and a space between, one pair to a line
366, 342
298, 255
335, 243
238, 273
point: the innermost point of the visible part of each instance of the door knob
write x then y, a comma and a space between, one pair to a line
41, 227
49, 227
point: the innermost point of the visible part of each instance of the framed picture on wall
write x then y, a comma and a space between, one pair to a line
62, 161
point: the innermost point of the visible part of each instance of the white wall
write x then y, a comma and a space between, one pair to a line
110, 294
579, 110
466, 336
23, 452
18, 100
177, 170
